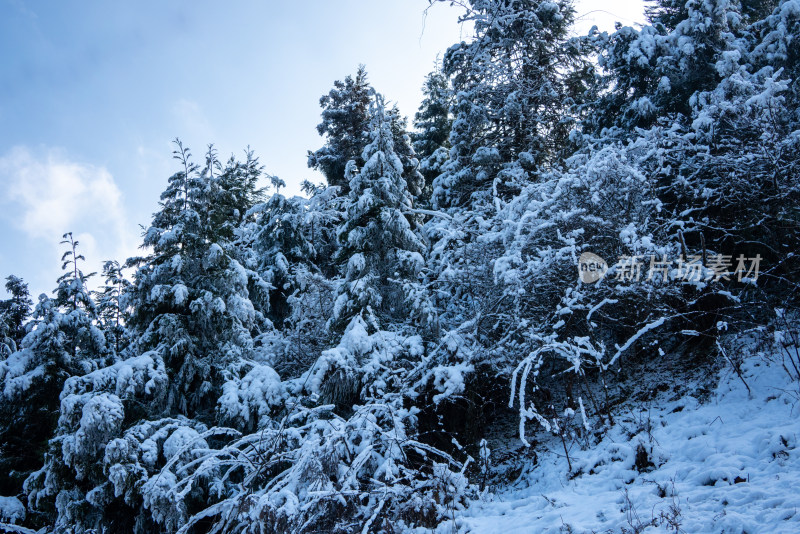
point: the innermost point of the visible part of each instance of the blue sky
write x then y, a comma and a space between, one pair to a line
92, 93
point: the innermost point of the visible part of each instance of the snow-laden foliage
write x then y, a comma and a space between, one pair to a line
319, 471
14, 312
11, 510
378, 244
572, 215
344, 451
433, 124
62, 341
191, 301
250, 400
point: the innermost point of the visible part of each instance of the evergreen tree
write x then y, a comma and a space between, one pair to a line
14, 312
345, 126
72, 292
112, 311
278, 248
190, 295
666, 13
287, 284
191, 320
515, 84
62, 342
239, 191
776, 46
653, 75
433, 123
345, 119
404, 149
378, 243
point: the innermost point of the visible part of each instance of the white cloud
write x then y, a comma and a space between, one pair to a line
55, 193
45, 194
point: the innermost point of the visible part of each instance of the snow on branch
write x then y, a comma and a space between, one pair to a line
642, 331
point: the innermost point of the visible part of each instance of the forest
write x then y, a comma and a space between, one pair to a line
567, 225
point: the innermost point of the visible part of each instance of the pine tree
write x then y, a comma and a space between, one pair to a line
112, 311
278, 248
404, 149
191, 322
345, 118
776, 47
433, 123
378, 243
666, 13
708, 31
238, 192
654, 75
14, 312
62, 342
72, 292
515, 83
190, 295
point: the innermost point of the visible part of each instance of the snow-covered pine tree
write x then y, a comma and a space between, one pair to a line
190, 296
706, 34
112, 311
379, 247
62, 341
14, 312
192, 321
703, 86
776, 47
404, 149
345, 118
652, 75
72, 292
294, 251
278, 246
665, 13
345, 122
515, 83
433, 123
237, 188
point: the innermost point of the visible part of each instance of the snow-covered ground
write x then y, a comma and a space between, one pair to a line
729, 464
11, 511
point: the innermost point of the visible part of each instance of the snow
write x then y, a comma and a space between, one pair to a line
449, 380
140, 374
15, 375
730, 464
253, 397
181, 441
180, 293
11, 510
215, 255
101, 419
651, 326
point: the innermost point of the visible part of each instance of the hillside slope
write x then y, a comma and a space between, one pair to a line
729, 464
